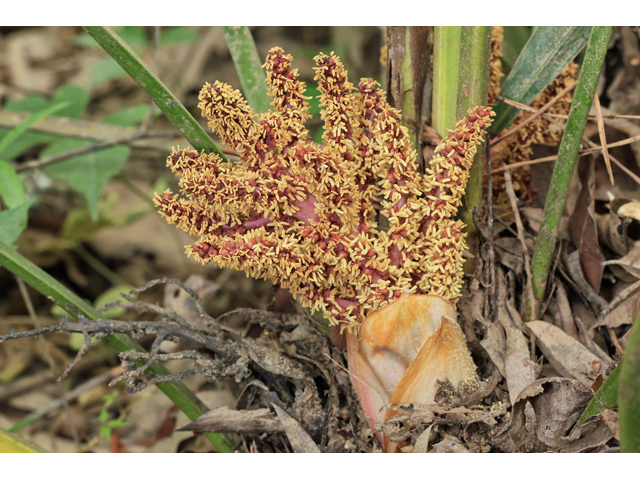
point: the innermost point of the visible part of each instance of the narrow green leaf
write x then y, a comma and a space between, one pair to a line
16, 132
515, 38
629, 393
249, 67
12, 443
11, 188
605, 397
88, 173
543, 252
545, 55
61, 295
159, 93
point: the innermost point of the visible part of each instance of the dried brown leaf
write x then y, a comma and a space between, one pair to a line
566, 354
224, 420
495, 344
583, 230
298, 437
557, 404
630, 262
520, 370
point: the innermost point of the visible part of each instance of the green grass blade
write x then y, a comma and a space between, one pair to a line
565, 164
15, 133
545, 55
446, 68
12, 443
61, 295
629, 393
249, 67
159, 93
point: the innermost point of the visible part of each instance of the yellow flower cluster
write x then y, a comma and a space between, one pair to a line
302, 215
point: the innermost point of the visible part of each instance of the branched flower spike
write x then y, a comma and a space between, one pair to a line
302, 215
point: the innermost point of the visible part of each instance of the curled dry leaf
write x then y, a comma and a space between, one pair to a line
557, 403
610, 233
566, 354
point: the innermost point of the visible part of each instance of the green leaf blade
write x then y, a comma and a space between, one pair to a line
249, 67
14, 221
11, 189
88, 173
548, 51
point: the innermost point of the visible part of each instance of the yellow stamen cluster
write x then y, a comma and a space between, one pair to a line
302, 215
517, 148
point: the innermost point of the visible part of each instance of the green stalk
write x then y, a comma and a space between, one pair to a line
565, 164
61, 295
473, 91
629, 393
249, 67
446, 70
159, 93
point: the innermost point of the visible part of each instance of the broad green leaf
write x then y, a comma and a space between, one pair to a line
76, 98
548, 51
58, 293
105, 70
249, 67
173, 35
14, 221
87, 173
11, 189
129, 116
12, 443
